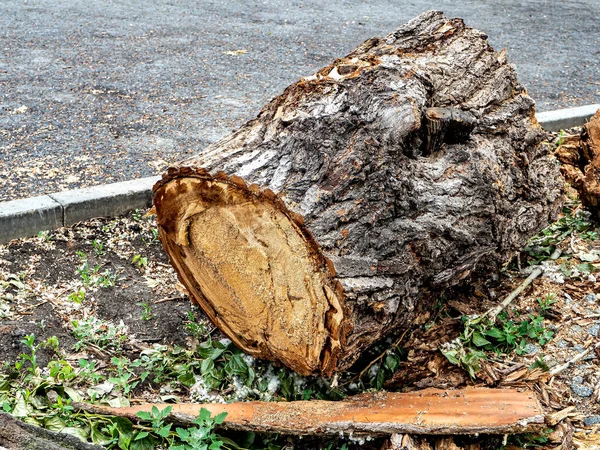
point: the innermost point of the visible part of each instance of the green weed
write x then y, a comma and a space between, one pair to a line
147, 313
98, 332
481, 336
140, 261
77, 296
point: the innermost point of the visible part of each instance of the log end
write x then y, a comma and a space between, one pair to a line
254, 269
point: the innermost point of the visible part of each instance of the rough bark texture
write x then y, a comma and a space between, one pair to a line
580, 156
431, 411
17, 435
320, 227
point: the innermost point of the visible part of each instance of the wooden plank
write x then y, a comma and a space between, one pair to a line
431, 411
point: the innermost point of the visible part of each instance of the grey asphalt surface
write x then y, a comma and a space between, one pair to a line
98, 92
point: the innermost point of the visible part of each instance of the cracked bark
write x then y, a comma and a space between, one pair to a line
330, 220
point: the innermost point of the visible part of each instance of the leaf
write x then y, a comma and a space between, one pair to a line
20, 410
125, 436
587, 257
165, 412
206, 366
72, 393
479, 340
495, 333
80, 432
220, 418
144, 415
101, 389
164, 431
204, 415
141, 435
143, 444
210, 352
98, 437
216, 445
391, 362
119, 402
151, 282
54, 423
380, 378
451, 355
182, 433
586, 268
187, 379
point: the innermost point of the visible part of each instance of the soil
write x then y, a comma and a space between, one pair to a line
48, 267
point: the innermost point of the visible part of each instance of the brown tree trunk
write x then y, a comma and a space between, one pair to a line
326, 223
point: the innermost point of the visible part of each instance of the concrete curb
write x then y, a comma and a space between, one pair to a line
27, 217
562, 119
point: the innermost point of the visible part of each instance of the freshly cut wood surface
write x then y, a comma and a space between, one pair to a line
334, 218
431, 411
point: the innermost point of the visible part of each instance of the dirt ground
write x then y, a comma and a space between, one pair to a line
45, 271
113, 274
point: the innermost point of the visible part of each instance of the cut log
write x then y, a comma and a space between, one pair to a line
324, 225
431, 411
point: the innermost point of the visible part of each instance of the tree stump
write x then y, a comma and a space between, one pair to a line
330, 220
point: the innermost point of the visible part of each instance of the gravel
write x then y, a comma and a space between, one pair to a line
592, 420
99, 92
580, 389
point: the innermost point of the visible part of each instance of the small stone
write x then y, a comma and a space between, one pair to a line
594, 329
562, 343
590, 298
580, 389
592, 420
578, 348
591, 278
532, 349
576, 328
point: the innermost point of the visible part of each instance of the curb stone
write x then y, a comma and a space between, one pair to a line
562, 119
27, 217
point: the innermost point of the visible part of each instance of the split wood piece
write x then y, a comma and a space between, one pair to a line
431, 411
584, 441
580, 158
323, 225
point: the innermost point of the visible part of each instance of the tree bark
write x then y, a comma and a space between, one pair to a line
17, 435
580, 158
430, 411
357, 195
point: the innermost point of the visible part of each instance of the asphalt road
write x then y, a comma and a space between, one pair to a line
95, 92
